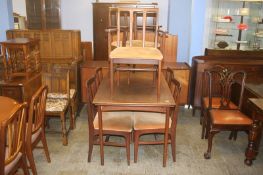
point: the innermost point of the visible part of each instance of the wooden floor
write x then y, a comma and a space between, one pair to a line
227, 156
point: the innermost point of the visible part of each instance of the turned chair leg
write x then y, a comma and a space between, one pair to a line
64, 131
44, 143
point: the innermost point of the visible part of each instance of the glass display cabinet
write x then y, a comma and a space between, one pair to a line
237, 25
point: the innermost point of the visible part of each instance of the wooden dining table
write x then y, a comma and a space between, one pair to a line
6, 106
139, 95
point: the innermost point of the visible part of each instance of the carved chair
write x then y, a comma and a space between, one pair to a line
57, 106
225, 118
36, 127
212, 87
114, 123
154, 123
12, 141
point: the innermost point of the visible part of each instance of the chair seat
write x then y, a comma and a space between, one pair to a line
115, 121
72, 93
148, 120
10, 166
136, 53
216, 103
136, 43
56, 105
229, 117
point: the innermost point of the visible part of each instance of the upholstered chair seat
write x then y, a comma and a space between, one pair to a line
11, 165
56, 105
147, 120
229, 117
72, 93
115, 121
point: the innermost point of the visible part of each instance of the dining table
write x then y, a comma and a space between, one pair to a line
138, 95
6, 106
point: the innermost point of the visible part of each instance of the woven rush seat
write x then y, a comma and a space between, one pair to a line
72, 93
56, 105
115, 121
140, 53
148, 120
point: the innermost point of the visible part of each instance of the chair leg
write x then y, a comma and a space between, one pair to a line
136, 145
30, 157
24, 165
202, 114
45, 147
211, 134
72, 117
173, 146
91, 140
204, 124
128, 141
64, 131
73, 110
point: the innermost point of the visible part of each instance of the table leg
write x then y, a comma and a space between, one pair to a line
254, 133
111, 76
166, 136
159, 79
101, 136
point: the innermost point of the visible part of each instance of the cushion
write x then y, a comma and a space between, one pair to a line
115, 121
72, 93
149, 120
10, 166
216, 103
56, 105
229, 117
136, 53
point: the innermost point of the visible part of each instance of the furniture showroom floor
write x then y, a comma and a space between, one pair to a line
227, 156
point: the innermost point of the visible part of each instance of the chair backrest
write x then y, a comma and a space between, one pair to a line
36, 112
57, 82
176, 91
91, 91
98, 76
169, 75
219, 81
12, 136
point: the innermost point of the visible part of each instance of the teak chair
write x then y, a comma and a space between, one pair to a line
114, 123
154, 123
58, 82
224, 118
12, 142
36, 126
212, 86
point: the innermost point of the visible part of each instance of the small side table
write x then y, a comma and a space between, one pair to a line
21, 57
255, 132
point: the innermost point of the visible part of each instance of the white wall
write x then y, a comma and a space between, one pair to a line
19, 6
6, 18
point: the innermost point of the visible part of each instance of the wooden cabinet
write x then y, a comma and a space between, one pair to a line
43, 14
54, 44
21, 89
253, 66
181, 72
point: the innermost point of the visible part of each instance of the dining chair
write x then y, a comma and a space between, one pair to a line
114, 123
12, 141
36, 127
211, 86
58, 106
98, 76
169, 75
225, 118
154, 123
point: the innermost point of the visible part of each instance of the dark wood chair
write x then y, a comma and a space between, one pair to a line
154, 123
58, 105
225, 118
12, 141
35, 126
114, 123
212, 87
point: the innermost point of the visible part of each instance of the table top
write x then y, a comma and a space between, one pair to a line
6, 106
257, 89
20, 41
140, 92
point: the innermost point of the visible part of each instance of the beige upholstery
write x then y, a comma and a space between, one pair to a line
136, 53
136, 43
149, 120
56, 105
118, 121
216, 103
229, 117
10, 166
72, 93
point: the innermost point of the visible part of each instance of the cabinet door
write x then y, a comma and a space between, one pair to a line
100, 23
33, 9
